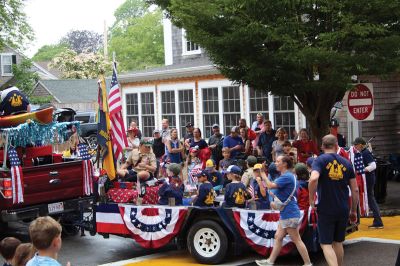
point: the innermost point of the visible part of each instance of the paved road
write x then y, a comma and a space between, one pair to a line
90, 251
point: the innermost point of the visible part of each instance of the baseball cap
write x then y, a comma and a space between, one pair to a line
234, 170
215, 126
257, 166
156, 131
210, 164
189, 124
359, 140
203, 173
251, 160
193, 149
174, 168
235, 129
146, 141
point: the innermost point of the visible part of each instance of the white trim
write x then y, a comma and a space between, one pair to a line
47, 73
221, 110
248, 117
168, 55
241, 95
296, 117
2, 70
271, 109
184, 48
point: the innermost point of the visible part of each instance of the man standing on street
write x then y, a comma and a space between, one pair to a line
369, 168
265, 141
215, 144
330, 177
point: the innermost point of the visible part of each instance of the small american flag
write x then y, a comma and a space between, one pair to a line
87, 169
357, 160
192, 174
118, 134
250, 189
17, 177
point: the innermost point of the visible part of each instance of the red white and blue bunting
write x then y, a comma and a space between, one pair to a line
258, 229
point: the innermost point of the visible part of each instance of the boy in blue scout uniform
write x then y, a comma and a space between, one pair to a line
215, 177
13, 101
173, 188
235, 192
205, 195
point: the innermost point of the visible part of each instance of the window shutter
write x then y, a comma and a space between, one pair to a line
14, 59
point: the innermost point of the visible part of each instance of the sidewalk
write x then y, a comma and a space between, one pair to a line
392, 203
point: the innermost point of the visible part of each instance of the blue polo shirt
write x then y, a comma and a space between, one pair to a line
231, 142
265, 142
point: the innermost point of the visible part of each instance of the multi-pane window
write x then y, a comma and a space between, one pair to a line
168, 107
258, 104
186, 109
147, 106
132, 108
210, 110
284, 114
191, 46
6, 65
231, 103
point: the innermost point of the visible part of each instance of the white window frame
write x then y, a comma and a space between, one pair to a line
184, 45
139, 91
176, 88
217, 84
2, 65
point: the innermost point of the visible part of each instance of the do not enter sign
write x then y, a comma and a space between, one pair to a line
360, 102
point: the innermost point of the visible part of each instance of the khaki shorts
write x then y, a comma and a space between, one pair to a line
290, 223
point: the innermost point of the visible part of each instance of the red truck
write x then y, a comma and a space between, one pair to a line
52, 187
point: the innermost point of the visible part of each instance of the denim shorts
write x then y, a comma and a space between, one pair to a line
290, 223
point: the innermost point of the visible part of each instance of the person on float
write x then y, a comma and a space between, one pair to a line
13, 101
234, 143
159, 151
141, 163
172, 187
215, 177
258, 128
174, 148
235, 192
205, 194
193, 164
289, 220
215, 144
248, 174
133, 124
259, 189
305, 146
267, 137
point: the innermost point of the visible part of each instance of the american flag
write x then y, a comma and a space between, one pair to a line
118, 135
87, 169
17, 177
250, 189
357, 160
193, 172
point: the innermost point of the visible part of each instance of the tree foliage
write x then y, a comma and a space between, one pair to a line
308, 50
80, 66
137, 36
48, 52
83, 41
14, 29
24, 77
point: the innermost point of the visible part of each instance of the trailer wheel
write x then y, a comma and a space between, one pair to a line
207, 242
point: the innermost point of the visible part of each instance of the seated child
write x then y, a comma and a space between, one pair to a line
23, 254
260, 191
288, 150
302, 192
235, 192
248, 176
205, 195
215, 176
45, 234
224, 164
173, 188
7, 249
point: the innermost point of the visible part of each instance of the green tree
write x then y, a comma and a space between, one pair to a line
83, 41
48, 52
80, 66
14, 29
308, 50
128, 10
24, 77
140, 45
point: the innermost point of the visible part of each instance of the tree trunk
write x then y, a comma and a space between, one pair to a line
316, 107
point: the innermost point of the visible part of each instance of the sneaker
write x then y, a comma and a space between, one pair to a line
264, 262
376, 226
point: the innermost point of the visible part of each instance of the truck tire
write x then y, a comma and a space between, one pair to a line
92, 141
207, 242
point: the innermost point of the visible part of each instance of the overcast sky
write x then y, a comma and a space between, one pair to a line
52, 19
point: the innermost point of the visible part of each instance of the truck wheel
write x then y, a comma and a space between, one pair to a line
207, 242
92, 141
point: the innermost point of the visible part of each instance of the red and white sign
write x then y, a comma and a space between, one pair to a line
360, 102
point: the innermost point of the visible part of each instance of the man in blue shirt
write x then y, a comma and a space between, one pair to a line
369, 168
331, 175
234, 143
264, 145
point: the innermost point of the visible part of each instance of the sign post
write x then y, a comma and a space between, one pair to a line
360, 103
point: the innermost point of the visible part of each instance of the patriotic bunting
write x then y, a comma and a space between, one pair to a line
17, 177
258, 229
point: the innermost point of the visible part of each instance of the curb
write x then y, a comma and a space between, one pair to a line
389, 212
